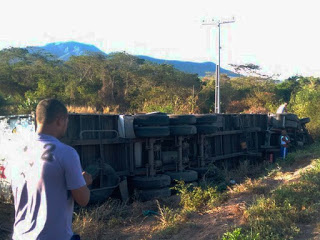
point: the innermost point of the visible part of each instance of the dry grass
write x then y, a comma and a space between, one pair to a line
91, 223
249, 186
105, 221
89, 109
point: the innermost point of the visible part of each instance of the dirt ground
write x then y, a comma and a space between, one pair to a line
209, 225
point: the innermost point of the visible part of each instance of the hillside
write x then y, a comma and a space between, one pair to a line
64, 50
191, 67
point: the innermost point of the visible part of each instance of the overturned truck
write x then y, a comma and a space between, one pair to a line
145, 153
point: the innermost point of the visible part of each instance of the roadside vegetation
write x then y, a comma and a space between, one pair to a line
284, 196
122, 83
282, 212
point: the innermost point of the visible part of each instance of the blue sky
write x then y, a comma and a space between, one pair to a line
279, 35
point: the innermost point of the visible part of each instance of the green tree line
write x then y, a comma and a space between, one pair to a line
126, 84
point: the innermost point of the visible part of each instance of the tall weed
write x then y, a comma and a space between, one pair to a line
198, 198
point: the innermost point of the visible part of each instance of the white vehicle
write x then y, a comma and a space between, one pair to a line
14, 134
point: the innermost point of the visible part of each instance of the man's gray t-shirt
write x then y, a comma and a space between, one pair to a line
41, 182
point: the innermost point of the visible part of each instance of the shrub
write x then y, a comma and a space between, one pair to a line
238, 235
197, 198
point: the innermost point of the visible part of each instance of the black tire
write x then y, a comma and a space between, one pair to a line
149, 194
218, 124
291, 124
158, 181
304, 120
200, 170
152, 119
182, 130
206, 129
182, 119
205, 118
186, 176
159, 131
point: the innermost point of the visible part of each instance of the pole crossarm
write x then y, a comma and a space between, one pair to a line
213, 22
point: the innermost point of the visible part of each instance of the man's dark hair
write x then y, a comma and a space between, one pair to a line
49, 110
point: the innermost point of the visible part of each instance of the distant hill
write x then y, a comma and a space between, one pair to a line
191, 67
64, 50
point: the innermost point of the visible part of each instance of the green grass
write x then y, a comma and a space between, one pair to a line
274, 216
192, 199
278, 215
237, 234
170, 220
198, 198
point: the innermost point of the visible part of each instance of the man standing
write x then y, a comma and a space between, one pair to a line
47, 179
284, 141
282, 108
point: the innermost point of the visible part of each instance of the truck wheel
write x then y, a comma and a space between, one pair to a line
182, 130
205, 118
144, 182
152, 119
200, 170
149, 194
157, 131
206, 129
219, 124
186, 176
182, 119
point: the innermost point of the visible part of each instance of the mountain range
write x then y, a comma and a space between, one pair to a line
64, 50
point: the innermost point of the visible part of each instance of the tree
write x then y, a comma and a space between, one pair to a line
252, 70
305, 103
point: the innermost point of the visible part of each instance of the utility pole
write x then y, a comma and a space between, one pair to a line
217, 85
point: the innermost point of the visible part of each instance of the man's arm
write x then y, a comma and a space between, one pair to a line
82, 195
76, 180
286, 140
